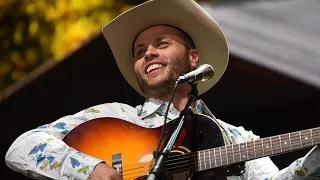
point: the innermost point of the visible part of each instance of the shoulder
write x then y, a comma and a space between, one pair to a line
114, 106
114, 109
238, 132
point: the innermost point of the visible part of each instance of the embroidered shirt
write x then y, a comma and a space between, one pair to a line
41, 152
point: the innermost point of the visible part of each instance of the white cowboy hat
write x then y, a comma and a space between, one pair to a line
186, 15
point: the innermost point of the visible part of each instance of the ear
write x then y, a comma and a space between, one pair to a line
194, 57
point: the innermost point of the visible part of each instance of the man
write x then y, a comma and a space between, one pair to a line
153, 45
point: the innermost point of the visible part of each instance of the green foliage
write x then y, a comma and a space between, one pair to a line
35, 31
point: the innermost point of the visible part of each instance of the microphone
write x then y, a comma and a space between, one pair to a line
203, 73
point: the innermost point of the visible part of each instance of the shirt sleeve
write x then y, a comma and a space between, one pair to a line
305, 168
41, 152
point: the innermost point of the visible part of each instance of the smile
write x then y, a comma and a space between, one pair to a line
154, 67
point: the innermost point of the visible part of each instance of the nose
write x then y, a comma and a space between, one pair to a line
151, 53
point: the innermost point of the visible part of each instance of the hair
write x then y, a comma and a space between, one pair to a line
189, 42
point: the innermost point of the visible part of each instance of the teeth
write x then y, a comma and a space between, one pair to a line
154, 66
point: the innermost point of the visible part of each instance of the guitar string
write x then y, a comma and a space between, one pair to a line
170, 169
188, 165
275, 144
183, 156
224, 155
250, 148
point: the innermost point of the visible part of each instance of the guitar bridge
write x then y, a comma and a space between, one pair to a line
117, 162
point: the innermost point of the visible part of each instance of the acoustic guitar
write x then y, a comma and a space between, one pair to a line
199, 153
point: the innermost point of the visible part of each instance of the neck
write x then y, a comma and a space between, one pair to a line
181, 97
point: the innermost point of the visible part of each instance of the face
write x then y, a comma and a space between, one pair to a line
161, 55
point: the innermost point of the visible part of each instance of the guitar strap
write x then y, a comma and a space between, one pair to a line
234, 169
206, 111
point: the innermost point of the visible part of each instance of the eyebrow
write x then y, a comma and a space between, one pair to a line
137, 46
141, 45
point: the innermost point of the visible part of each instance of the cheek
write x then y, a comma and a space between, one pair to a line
137, 66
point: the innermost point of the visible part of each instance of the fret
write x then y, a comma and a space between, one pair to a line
285, 142
311, 136
247, 150
227, 154
296, 140
199, 160
254, 149
300, 139
251, 150
290, 141
316, 135
236, 152
233, 153
267, 151
276, 144
204, 160
221, 160
243, 150
209, 159
218, 155
258, 147
239, 152
280, 143
230, 154
306, 138
271, 145
262, 147
214, 155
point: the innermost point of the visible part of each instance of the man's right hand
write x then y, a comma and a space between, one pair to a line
104, 172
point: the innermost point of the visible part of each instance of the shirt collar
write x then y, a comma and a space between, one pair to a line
152, 105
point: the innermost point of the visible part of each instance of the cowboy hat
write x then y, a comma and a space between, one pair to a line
186, 15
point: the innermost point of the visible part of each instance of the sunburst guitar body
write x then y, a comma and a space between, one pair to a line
129, 147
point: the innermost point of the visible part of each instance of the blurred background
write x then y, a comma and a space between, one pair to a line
55, 62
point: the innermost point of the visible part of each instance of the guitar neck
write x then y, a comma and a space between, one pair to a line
275, 145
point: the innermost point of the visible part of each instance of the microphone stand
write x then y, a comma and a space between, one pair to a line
158, 171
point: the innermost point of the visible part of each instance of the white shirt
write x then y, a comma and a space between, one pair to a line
41, 152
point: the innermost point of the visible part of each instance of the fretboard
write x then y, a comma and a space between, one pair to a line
275, 145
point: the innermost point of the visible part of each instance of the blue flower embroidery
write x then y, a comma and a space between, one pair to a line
60, 125
42, 127
298, 161
37, 148
50, 159
40, 158
74, 162
64, 131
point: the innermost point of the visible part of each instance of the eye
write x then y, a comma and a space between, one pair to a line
163, 44
140, 52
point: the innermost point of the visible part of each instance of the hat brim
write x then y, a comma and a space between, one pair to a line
186, 15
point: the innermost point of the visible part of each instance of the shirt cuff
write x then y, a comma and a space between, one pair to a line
78, 165
310, 164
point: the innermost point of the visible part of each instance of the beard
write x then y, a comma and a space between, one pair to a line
162, 89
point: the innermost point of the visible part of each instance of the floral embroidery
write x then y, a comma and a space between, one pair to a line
59, 125
55, 165
91, 110
299, 171
298, 161
43, 160
39, 147
83, 169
